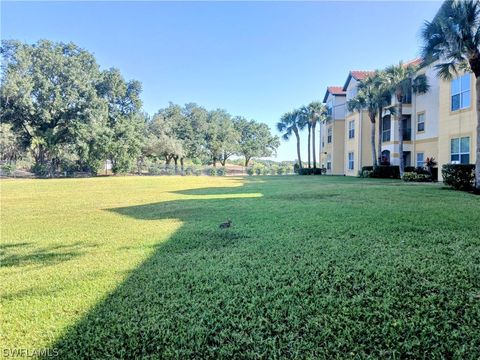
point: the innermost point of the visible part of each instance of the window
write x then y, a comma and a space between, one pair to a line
329, 162
407, 128
460, 150
386, 125
420, 122
420, 160
406, 158
351, 129
350, 161
460, 92
329, 135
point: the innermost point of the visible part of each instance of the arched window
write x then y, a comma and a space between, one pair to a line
385, 157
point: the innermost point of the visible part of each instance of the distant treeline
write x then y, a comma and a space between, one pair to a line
61, 113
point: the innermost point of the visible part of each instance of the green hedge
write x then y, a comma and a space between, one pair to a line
307, 171
413, 176
459, 176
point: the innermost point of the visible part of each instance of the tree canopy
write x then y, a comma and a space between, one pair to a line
60, 107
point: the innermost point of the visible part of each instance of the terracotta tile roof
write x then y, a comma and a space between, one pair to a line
360, 75
414, 62
334, 90
357, 75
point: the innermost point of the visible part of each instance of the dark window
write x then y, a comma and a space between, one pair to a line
407, 128
386, 125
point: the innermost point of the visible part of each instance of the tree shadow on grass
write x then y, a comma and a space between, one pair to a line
168, 306
40, 256
283, 282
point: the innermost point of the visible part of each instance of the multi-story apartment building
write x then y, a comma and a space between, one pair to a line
440, 123
332, 131
420, 124
357, 129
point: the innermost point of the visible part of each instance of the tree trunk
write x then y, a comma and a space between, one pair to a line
247, 160
313, 146
477, 161
372, 139
214, 162
181, 164
295, 130
309, 138
400, 136
380, 128
175, 160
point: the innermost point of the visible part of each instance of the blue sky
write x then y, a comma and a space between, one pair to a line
255, 59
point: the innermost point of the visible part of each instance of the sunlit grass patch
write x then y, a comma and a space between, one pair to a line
312, 267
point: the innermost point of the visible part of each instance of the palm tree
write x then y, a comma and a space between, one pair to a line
315, 112
453, 39
291, 123
384, 98
365, 100
304, 121
373, 96
402, 80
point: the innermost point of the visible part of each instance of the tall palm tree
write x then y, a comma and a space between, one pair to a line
291, 123
453, 39
402, 80
384, 98
303, 122
370, 97
315, 112
364, 100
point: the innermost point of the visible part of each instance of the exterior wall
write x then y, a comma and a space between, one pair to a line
454, 124
360, 144
441, 125
333, 152
338, 163
366, 141
428, 104
352, 145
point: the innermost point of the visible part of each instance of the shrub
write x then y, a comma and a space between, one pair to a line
307, 171
8, 169
413, 176
459, 176
190, 170
212, 172
221, 171
296, 168
250, 171
281, 170
40, 170
366, 174
386, 172
155, 169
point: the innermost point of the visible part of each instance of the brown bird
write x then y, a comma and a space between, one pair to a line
226, 225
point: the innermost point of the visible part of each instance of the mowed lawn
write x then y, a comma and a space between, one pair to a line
313, 267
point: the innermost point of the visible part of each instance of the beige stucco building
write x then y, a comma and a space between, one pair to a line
440, 123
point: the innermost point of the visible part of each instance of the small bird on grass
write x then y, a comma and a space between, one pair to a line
226, 225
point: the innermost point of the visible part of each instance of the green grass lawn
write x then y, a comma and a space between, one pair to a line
313, 267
